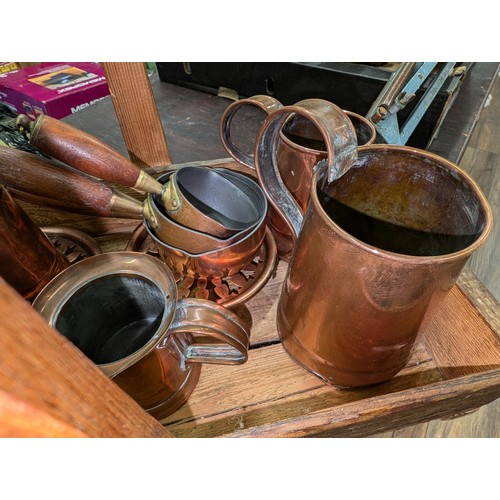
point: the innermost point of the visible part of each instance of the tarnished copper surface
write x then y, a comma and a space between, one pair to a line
300, 148
121, 310
229, 291
73, 243
352, 306
216, 264
266, 103
28, 260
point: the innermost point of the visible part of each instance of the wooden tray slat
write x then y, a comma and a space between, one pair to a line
272, 395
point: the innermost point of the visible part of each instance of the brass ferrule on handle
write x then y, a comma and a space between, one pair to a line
149, 213
148, 184
122, 205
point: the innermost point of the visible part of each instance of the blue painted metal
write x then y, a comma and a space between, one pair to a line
386, 121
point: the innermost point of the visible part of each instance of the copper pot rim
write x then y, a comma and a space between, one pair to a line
271, 249
212, 253
305, 149
61, 288
488, 215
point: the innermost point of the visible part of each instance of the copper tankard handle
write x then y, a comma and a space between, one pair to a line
341, 147
266, 103
201, 317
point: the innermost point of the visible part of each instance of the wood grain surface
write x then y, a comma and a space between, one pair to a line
45, 378
137, 113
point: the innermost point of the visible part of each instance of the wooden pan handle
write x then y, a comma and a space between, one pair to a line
49, 181
86, 153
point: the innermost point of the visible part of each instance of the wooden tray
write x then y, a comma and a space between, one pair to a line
455, 368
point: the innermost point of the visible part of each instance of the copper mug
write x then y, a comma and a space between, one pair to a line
121, 310
299, 149
378, 249
28, 259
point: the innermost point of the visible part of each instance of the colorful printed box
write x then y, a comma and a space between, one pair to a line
54, 89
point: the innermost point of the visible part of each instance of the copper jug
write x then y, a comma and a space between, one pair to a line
382, 242
28, 259
299, 149
121, 310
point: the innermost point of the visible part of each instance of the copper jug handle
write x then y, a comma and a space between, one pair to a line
341, 146
266, 103
198, 317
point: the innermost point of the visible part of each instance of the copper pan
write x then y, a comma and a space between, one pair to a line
187, 200
217, 263
195, 242
121, 310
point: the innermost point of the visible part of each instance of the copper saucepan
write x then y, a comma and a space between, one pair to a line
194, 242
121, 310
186, 200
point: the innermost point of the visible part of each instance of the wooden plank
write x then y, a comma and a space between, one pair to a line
21, 419
47, 381
460, 340
272, 387
137, 113
396, 410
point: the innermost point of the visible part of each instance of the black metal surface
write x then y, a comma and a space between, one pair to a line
191, 118
351, 86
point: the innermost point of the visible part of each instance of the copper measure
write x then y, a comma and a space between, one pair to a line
28, 259
121, 310
300, 148
380, 245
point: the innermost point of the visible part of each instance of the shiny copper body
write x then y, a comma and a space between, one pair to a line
121, 310
300, 148
231, 291
217, 263
219, 196
28, 259
349, 311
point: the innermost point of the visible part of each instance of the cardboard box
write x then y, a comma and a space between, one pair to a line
54, 89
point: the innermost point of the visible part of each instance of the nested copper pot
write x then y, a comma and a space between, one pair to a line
28, 259
377, 251
121, 310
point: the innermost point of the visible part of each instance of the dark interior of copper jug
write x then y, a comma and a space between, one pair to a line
112, 317
405, 204
304, 132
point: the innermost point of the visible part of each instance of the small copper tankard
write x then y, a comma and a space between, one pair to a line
121, 310
383, 240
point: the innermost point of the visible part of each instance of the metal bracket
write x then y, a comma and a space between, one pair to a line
400, 89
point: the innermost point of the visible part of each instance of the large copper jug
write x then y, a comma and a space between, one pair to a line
383, 240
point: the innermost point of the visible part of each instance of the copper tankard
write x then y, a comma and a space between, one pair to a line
383, 240
121, 310
299, 149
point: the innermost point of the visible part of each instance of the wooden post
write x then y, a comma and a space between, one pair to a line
137, 113
50, 389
